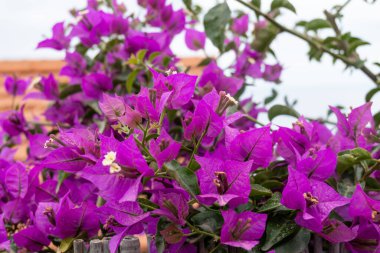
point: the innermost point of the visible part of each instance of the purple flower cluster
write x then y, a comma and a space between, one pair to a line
138, 146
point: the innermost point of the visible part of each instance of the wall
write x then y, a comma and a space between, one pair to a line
34, 68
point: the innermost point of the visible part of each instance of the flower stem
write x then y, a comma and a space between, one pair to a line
313, 42
161, 120
250, 118
373, 168
195, 151
198, 231
190, 234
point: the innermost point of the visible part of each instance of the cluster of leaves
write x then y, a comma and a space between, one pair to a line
134, 144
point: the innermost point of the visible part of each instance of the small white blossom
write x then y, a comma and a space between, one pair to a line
115, 168
109, 158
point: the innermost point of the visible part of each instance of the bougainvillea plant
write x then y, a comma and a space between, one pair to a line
133, 144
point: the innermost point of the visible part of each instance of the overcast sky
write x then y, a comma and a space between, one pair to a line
23, 23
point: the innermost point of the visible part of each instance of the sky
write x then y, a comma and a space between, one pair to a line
23, 23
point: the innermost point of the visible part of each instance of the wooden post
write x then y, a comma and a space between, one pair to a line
79, 246
343, 248
318, 246
129, 244
106, 244
96, 246
334, 248
148, 242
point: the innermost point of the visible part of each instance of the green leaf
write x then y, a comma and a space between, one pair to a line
208, 220
271, 97
372, 184
184, 176
371, 93
160, 242
353, 45
260, 191
271, 204
315, 53
66, 244
272, 184
188, 4
317, 24
131, 79
132, 60
344, 162
61, 177
166, 61
153, 56
195, 10
230, 46
151, 136
360, 154
215, 22
94, 105
296, 244
278, 228
264, 38
301, 23
277, 4
194, 166
204, 62
146, 203
349, 158
141, 54
278, 110
376, 118
69, 90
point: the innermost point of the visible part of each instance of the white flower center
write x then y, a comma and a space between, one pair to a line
115, 168
109, 158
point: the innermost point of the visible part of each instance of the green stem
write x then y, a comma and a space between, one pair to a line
144, 148
186, 149
162, 116
340, 9
190, 234
324, 121
195, 151
147, 206
198, 231
145, 131
312, 42
163, 176
370, 171
250, 118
